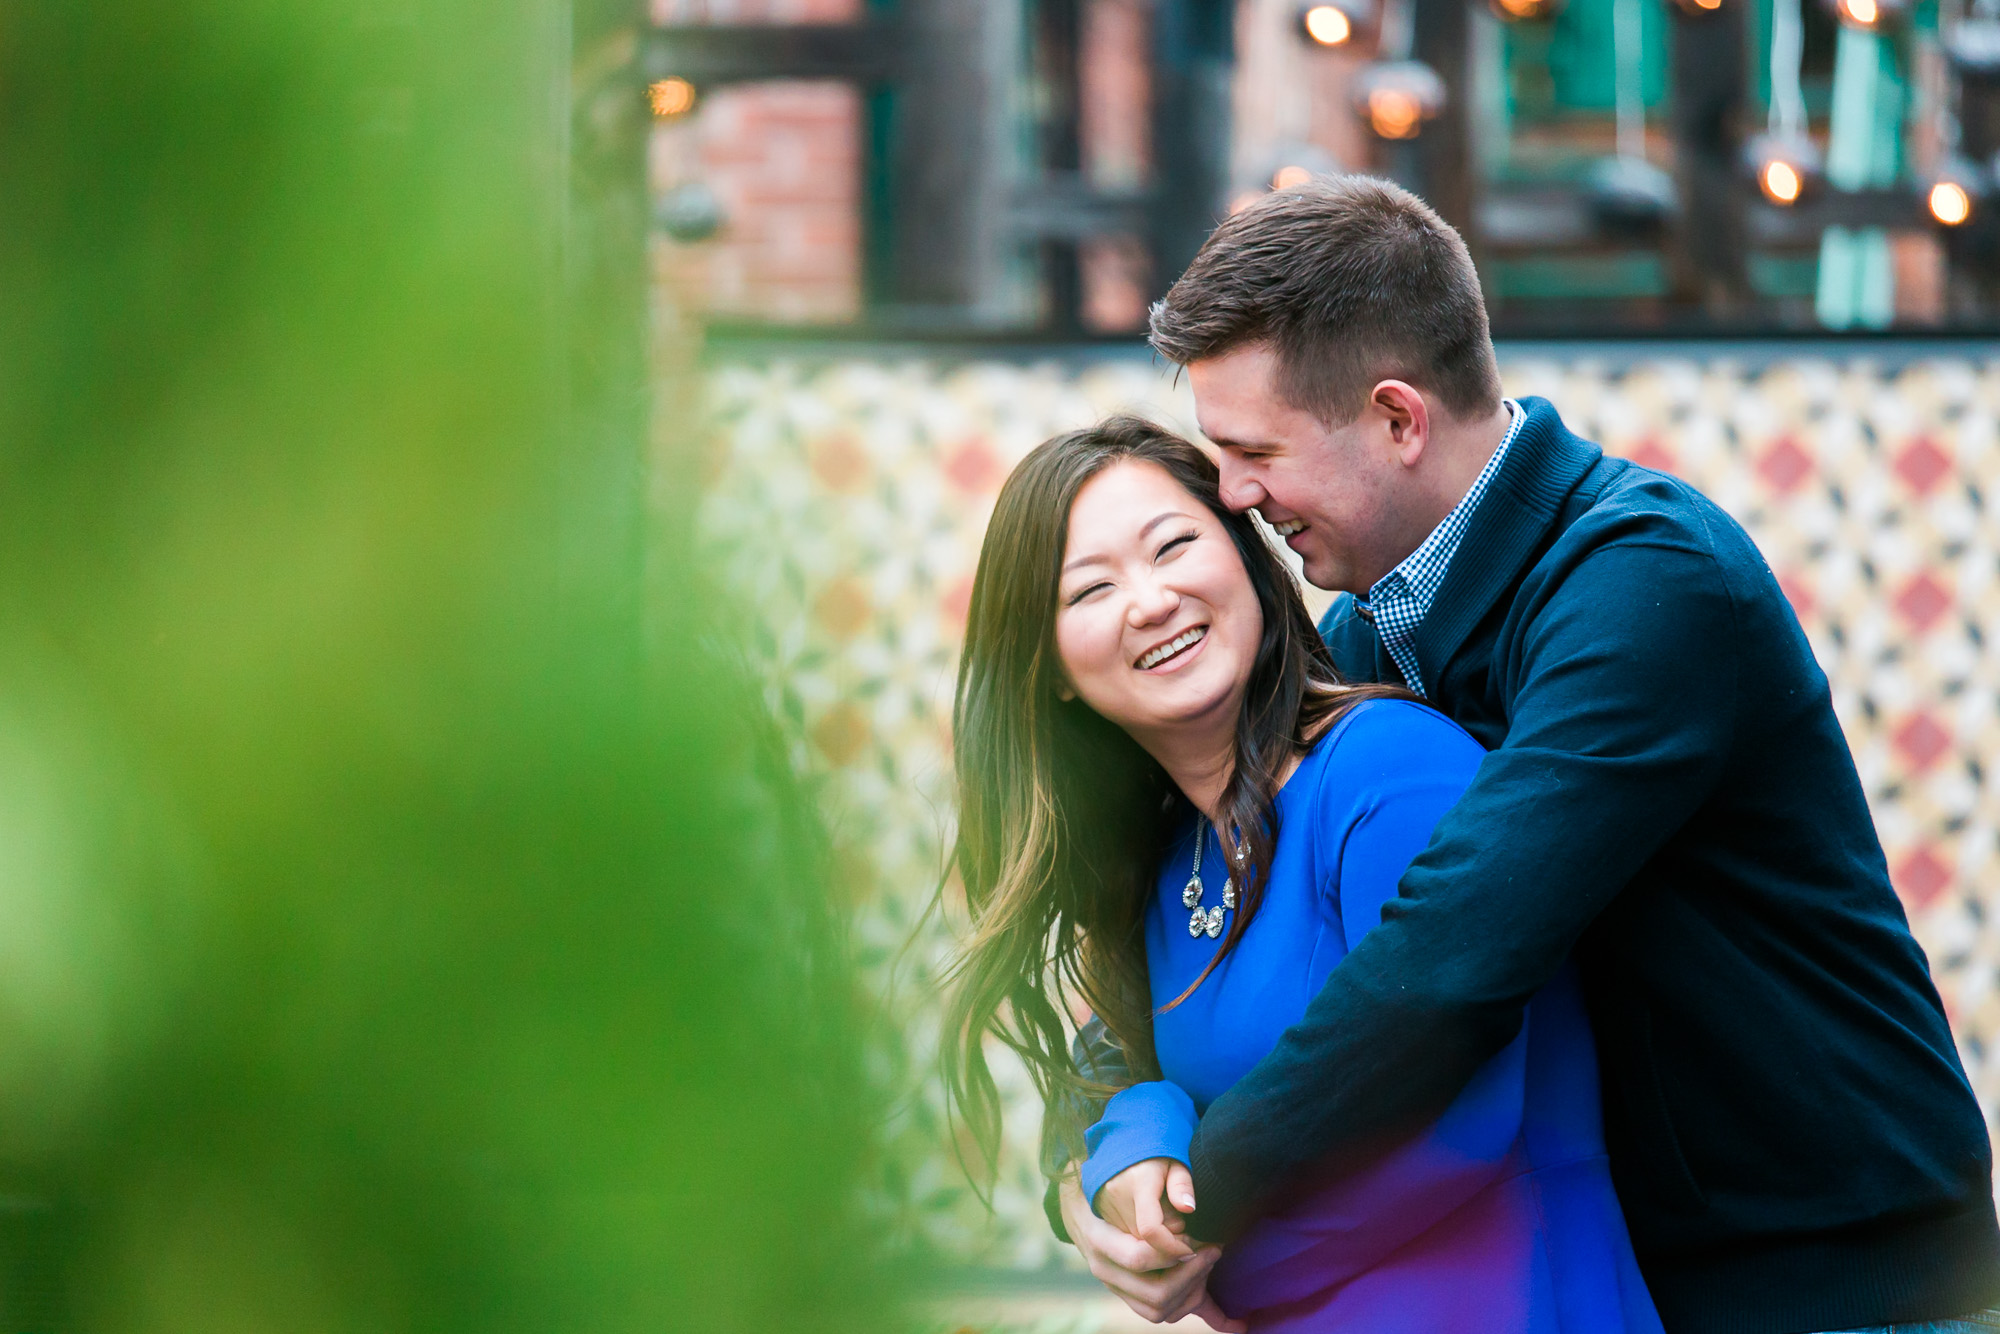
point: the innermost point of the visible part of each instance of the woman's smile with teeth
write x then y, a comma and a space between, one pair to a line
1288, 527
1153, 657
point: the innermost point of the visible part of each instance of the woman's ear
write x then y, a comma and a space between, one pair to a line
1064, 693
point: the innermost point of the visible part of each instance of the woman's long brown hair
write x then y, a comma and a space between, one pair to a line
1063, 818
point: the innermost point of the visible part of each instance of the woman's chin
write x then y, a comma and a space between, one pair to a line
1188, 703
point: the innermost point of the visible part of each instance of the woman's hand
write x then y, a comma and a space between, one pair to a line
1160, 1287
1147, 1200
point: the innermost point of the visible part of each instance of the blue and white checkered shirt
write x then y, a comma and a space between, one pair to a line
1400, 599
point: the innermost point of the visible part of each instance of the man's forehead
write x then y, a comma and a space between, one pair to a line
1248, 369
1242, 419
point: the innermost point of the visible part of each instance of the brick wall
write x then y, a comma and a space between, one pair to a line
1116, 78
1289, 95
1115, 130
784, 162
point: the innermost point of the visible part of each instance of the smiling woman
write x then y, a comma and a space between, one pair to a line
1133, 650
1157, 623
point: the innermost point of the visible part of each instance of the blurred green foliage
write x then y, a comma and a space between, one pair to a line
389, 939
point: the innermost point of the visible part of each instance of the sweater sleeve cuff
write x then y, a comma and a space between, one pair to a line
1220, 1214
1151, 1120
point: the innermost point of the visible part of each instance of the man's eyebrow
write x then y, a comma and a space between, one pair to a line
1151, 524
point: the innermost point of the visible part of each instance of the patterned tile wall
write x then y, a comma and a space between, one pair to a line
850, 495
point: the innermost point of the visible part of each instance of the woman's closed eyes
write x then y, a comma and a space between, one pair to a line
1171, 545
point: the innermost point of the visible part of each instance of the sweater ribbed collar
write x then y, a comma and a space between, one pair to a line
1543, 466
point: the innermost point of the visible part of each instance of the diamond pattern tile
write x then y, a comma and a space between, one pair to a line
851, 494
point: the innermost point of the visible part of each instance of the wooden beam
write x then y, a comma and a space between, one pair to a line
1194, 59
1443, 152
1802, 223
1557, 219
932, 214
708, 55
1710, 51
1063, 206
1058, 77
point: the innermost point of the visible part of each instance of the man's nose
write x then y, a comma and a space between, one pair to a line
1239, 490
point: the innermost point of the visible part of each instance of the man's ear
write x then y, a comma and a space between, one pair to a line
1406, 417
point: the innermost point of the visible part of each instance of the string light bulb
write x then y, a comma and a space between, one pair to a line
1343, 24
670, 98
1289, 165
1396, 97
1867, 15
1327, 25
1781, 182
1955, 191
1783, 159
1526, 11
1949, 203
1784, 167
1699, 8
1394, 114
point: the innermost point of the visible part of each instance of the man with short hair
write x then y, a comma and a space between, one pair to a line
1668, 798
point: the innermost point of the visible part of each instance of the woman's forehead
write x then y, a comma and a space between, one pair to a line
1129, 491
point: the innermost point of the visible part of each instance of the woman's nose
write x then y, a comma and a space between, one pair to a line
1153, 601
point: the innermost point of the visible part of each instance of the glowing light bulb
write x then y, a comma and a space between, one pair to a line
1393, 113
1523, 9
1710, 5
1328, 25
1396, 97
1949, 203
1287, 177
670, 97
1780, 181
1861, 12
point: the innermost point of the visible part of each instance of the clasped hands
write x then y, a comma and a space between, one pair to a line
1139, 1247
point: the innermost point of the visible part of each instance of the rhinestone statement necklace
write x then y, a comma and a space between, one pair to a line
1207, 921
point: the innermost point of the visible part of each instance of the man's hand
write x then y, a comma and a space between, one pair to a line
1160, 1286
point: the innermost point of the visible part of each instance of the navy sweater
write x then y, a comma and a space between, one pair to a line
1669, 798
